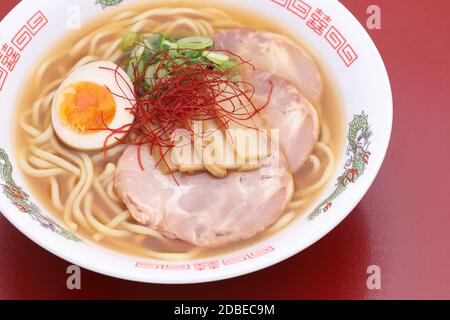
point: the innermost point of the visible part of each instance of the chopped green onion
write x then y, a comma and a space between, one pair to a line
154, 70
173, 54
233, 68
148, 43
216, 57
180, 61
195, 43
138, 51
159, 43
150, 75
231, 64
162, 73
129, 40
149, 50
151, 40
197, 60
190, 54
171, 48
152, 48
131, 69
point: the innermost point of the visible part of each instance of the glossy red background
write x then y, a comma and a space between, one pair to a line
402, 224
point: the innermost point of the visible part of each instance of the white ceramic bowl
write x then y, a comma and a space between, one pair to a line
348, 52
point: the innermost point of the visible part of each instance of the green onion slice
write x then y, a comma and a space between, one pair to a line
138, 51
153, 71
231, 66
216, 57
129, 40
195, 43
131, 69
169, 44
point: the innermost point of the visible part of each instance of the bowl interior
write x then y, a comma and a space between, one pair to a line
343, 47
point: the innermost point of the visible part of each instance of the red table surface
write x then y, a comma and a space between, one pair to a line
402, 224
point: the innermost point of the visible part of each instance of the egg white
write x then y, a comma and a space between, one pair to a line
92, 73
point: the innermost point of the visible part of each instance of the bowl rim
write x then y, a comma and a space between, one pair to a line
244, 269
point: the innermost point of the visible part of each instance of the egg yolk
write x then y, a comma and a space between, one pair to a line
87, 106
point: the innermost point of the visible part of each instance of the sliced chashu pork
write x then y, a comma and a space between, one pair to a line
275, 54
203, 210
289, 112
210, 212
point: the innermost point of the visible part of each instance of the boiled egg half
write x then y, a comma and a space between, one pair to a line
91, 104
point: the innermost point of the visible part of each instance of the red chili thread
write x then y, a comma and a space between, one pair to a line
180, 94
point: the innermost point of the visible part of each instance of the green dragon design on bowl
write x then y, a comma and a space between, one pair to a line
21, 200
108, 3
359, 134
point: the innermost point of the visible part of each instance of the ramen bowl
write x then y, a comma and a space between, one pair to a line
326, 27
